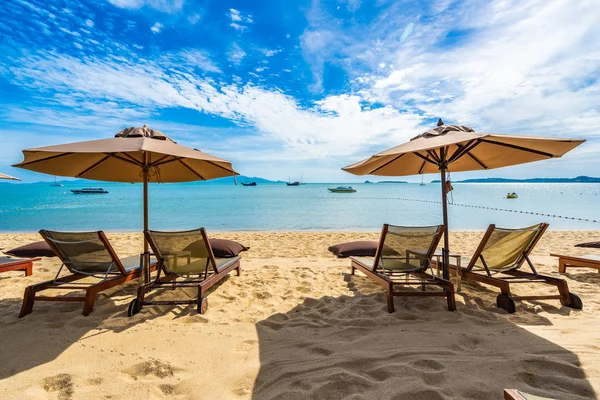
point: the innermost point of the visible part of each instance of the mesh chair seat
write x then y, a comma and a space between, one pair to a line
505, 248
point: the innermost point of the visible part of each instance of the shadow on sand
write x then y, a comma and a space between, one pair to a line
350, 347
52, 327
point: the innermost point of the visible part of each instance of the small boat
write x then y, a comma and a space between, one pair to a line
512, 196
342, 189
248, 183
422, 182
56, 183
89, 191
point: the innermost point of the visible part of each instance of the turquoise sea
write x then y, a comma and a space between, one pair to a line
218, 207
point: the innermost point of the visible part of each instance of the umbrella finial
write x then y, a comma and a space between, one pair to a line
440, 122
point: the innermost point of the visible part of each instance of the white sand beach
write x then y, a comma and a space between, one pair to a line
296, 325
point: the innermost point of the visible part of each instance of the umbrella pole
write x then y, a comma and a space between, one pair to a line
146, 268
446, 248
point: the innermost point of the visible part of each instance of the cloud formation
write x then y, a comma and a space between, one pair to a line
319, 85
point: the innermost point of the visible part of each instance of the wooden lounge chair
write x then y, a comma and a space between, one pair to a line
403, 257
85, 255
497, 262
185, 260
587, 261
17, 264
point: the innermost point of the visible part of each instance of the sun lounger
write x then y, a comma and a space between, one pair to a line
403, 257
17, 264
85, 255
497, 262
185, 260
587, 261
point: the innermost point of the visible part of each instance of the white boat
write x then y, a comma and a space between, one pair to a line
56, 183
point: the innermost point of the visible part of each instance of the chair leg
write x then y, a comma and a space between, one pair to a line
29, 270
239, 271
562, 266
28, 300
353, 269
390, 298
451, 299
90, 299
563, 290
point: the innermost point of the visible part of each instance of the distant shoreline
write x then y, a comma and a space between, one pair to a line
579, 179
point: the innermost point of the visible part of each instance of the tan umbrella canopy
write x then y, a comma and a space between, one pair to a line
133, 155
12, 178
459, 148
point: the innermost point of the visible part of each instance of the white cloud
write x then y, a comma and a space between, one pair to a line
239, 21
194, 18
89, 23
270, 52
167, 6
157, 27
144, 87
236, 54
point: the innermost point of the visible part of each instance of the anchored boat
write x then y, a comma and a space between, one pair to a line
512, 196
342, 189
248, 183
89, 191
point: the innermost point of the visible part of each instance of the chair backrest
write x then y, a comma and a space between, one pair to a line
182, 252
504, 249
84, 252
412, 245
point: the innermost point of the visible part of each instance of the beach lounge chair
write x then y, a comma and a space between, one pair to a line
85, 255
497, 261
185, 260
17, 264
587, 261
403, 257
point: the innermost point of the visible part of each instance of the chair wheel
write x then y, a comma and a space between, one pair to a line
575, 304
202, 305
506, 302
134, 307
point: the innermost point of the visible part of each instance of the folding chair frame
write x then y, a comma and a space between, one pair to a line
169, 279
68, 282
387, 281
506, 299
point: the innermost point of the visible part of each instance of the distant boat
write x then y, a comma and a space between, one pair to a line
56, 183
296, 183
422, 183
512, 195
342, 189
248, 183
89, 191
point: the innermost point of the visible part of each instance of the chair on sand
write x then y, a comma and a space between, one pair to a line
403, 257
187, 255
85, 255
587, 261
498, 258
17, 264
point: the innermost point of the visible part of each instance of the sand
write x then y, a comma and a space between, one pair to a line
295, 325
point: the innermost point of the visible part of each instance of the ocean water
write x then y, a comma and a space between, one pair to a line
30, 207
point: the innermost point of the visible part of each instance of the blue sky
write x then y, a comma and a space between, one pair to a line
289, 88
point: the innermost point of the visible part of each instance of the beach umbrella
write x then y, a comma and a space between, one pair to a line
12, 178
454, 148
133, 155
